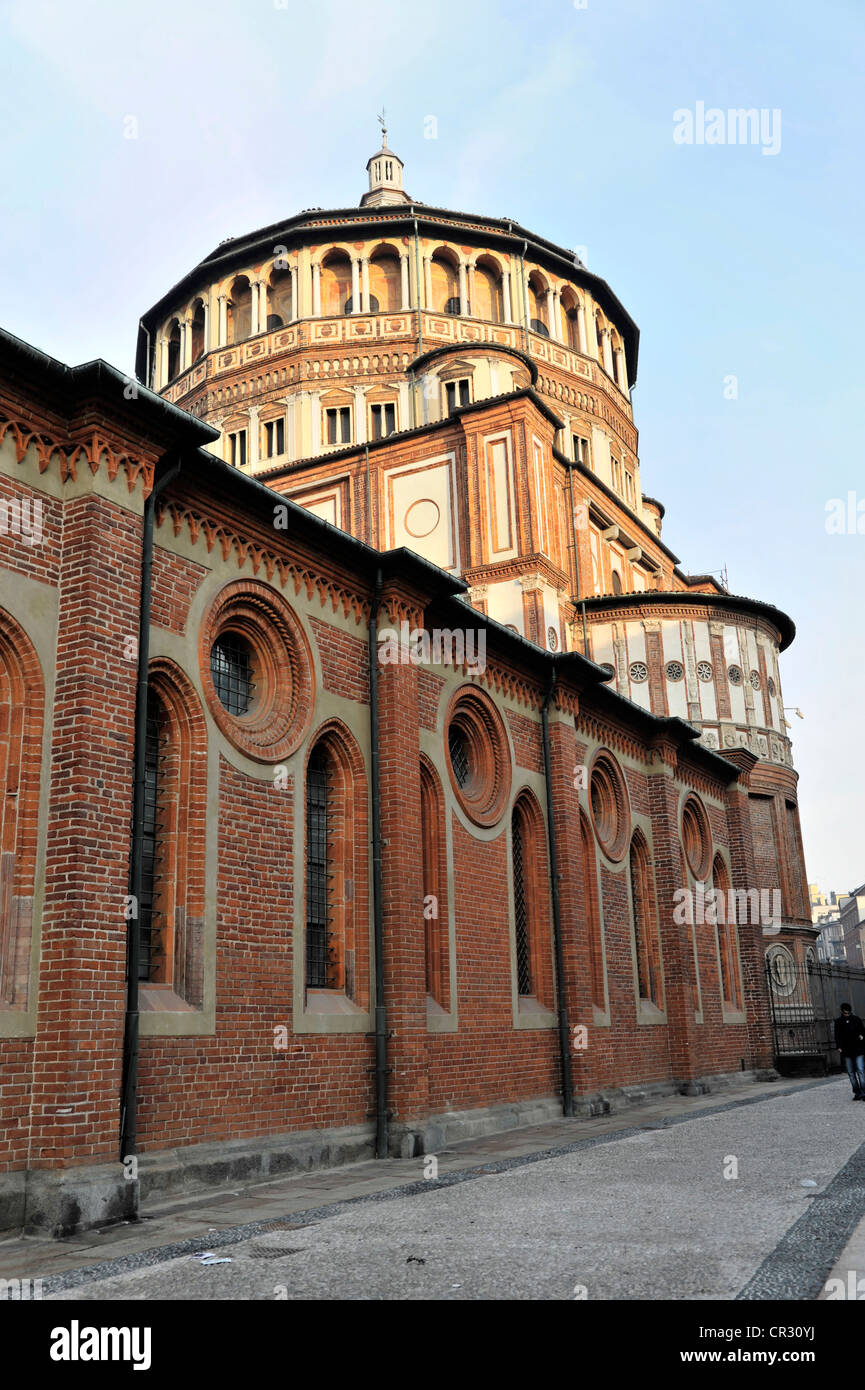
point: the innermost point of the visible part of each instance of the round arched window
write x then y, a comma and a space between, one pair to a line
256, 670
696, 837
608, 801
478, 755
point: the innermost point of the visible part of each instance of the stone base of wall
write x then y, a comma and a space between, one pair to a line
61, 1203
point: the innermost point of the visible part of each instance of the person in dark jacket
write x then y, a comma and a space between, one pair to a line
850, 1041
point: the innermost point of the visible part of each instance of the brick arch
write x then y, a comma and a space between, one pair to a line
592, 912
527, 822
729, 966
647, 940
435, 883
178, 909
347, 860
22, 706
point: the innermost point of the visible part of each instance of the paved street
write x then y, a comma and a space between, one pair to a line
642, 1213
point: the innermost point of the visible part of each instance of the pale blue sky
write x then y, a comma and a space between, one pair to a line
732, 262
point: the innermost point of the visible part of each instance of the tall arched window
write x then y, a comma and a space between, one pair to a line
592, 913
532, 940
173, 349
522, 905
171, 910
435, 909
336, 950
538, 305
335, 284
728, 937
320, 951
21, 712
445, 283
197, 330
385, 281
240, 310
489, 303
281, 305
649, 981
570, 311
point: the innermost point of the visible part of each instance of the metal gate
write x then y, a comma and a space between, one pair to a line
805, 1000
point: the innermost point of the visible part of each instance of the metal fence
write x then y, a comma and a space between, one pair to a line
805, 1001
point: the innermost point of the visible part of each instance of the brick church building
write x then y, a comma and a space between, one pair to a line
359, 732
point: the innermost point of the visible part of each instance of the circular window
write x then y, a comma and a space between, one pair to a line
696, 837
552, 639
231, 666
704, 670
479, 759
754, 678
608, 799
675, 670
256, 670
771, 687
735, 675
638, 671
782, 971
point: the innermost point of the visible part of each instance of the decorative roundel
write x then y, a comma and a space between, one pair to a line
704, 670
696, 837
512, 627
256, 670
675, 670
782, 971
735, 675
754, 678
608, 801
478, 756
771, 687
552, 639
638, 671
422, 517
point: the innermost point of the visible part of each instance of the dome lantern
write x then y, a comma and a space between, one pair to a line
385, 175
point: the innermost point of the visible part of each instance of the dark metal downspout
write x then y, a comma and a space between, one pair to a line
381, 1034
564, 1027
129, 1092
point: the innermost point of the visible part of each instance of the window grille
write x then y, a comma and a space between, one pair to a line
319, 812
152, 829
231, 669
521, 914
459, 755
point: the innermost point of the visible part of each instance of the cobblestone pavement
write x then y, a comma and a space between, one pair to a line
702, 1202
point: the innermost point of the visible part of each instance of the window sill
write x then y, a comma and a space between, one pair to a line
162, 999
331, 1001
649, 1013
531, 1013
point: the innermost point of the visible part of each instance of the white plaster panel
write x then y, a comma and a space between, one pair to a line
505, 603
419, 510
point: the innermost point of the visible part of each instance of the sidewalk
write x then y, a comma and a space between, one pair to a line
205, 1217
